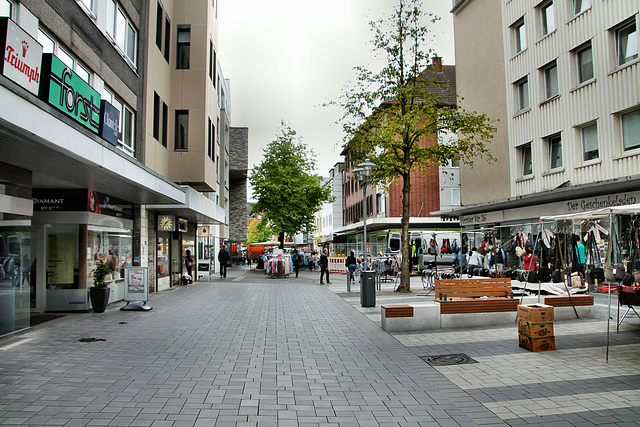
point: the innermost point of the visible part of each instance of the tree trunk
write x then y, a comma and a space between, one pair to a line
281, 239
405, 285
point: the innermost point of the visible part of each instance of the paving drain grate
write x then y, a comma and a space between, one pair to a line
91, 339
448, 359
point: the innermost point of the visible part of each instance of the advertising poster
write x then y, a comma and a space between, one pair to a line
60, 259
136, 284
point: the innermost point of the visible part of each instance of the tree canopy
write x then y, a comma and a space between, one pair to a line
398, 117
286, 190
259, 231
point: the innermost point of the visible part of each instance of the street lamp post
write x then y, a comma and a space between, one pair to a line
364, 172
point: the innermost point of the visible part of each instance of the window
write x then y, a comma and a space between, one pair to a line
182, 130
165, 123
455, 196
525, 160
631, 130
211, 59
88, 6
49, 45
580, 6
209, 140
584, 57
213, 79
212, 148
7, 8
122, 32
523, 94
126, 138
555, 151
551, 80
183, 49
156, 116
547, 19
589, 138
520, 36
159, 20
167, 38
626, 43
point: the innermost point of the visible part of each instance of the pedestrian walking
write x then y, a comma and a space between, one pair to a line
296, 259
189, 262
324, 266
224, 259
351, 265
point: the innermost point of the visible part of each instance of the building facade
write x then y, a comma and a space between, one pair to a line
567, 84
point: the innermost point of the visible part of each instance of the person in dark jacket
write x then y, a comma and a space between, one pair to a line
296, 259
324, 266
351, 264
224, 259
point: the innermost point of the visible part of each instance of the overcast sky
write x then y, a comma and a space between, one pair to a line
284, 58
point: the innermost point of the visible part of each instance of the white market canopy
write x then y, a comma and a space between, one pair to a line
598, 213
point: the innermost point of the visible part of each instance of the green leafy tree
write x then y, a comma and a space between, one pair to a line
286, 191
399, 117
259, 231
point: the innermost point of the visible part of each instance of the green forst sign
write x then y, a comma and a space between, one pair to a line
65, 90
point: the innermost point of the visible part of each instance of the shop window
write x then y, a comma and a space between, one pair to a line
630, 130
626, 43
526, 162
182, 130
554, 145
589, 137
183, 53
163, 260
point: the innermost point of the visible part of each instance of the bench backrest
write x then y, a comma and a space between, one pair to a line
473, 288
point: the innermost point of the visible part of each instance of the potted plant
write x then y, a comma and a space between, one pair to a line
100, 291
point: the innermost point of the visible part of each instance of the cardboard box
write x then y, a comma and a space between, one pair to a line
535, 330
537, 344
535, 313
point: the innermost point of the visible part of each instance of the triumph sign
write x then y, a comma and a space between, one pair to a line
22, 56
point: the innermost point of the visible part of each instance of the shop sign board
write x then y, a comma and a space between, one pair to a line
109, 122
71, 200
136, 284
22, 56
65, 90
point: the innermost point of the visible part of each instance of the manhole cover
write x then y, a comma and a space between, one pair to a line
448, 359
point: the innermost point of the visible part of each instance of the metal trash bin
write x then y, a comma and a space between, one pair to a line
368, 289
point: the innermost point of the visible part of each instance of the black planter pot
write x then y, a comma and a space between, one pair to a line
99, 298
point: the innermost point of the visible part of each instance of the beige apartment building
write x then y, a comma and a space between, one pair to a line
187, 134
563, 79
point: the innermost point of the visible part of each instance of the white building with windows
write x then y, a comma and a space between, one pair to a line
563, 78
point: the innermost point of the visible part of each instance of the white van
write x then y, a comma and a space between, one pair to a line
423, 240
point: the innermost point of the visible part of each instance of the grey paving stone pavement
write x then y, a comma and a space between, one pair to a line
252, 350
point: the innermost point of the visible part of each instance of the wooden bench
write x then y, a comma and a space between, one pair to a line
470, 293
403, 310
565, 301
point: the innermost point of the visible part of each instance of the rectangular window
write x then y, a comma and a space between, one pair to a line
631, 130
555, 151
165, 124
520, 36
209, 139
156, 116
159, 19
523, 94
455, 196
88, 4
590, 149
183, 48
167, 39
182, 130
213, 79
213, 142
111, 19
548, 19
580, 6
6, 8
210, 59
551, 81
585, 64
526, 160
627, 43
128, 131
122, 32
